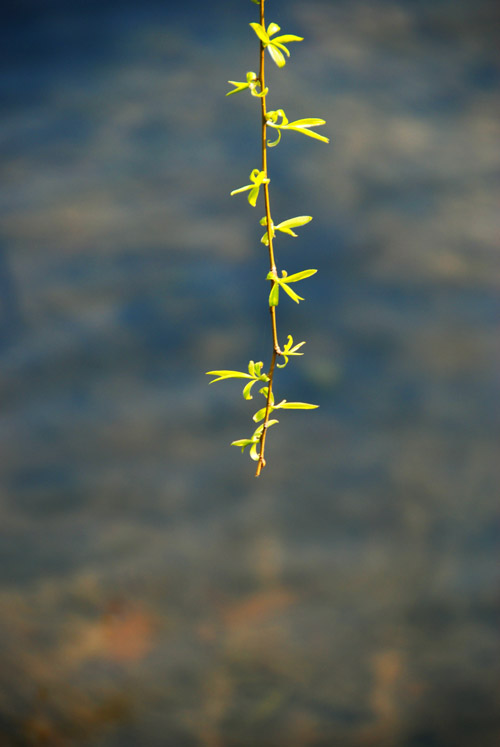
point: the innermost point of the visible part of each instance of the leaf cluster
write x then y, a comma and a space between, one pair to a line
275, 46
283, 282
257, 178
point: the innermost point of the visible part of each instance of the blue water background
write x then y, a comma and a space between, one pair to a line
152, 592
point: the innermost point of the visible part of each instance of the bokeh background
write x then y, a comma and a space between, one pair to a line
152, 592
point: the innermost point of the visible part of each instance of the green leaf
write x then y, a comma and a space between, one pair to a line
290, 349
258, 178
291, 293
299, 276
227, 375
274, 296
243, 443
265, 237
254, 454
273, 28
259, 414
253, 195
309, 133
309, 122
241, 189
299, 125
247, 389
261, 32
300, 220
295, 406
278, 58
258, 371
274, 142
253, 442
251, 82
239, 87
287, 38
277, 44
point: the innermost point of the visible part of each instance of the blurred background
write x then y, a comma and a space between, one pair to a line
152, 592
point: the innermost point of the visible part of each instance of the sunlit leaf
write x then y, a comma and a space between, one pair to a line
295, 406
291, 293
247, 389
227, 375
241, 189
274, 296
273, 143
309, 122
273, 28
258, 178
276, 55
277, 44
253, 195
259, 414
300, 220
242, 443
300, 276
287, 38
290, 349
309, 133
261, 33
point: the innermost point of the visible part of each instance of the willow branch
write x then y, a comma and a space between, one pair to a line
272, 264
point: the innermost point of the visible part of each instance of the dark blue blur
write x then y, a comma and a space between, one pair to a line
152, 592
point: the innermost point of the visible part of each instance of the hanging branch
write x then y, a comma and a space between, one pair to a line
260, 178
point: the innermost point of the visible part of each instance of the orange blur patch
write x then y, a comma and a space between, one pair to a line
257, 608
127, 635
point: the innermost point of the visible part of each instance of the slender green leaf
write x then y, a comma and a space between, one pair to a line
272, 144
259, 414
281, 46
300, 220
261, 33
243, 443
228, 375
239, 87
299, 276
241, 189
291, 293
295, 406
287, 38
247, 389
274, 296
309, 133
290, 349
253, 195
309, 122
276, 55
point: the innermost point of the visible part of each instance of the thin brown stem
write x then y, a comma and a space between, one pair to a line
272, 263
